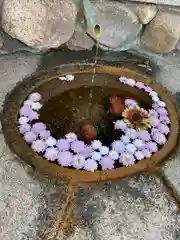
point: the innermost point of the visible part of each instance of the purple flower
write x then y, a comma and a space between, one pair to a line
139, 155
104, 150
28, 102
44, 134
140, 85
130, 148
96, 144
63, 144
155, 106
71, 137
153, 113
87, 151
25, 110
146, 153
144, 135
164, 119
78, 161
38, 127
161, 104
90, 165
50, 141
127, 159
131, 82
159, 138
155, 99
23, 120
164, 129
131, 133
125, 139
39, 146
35, 97
65, 158
36, 106
123, 79
107, 163
153, 94
29, 137
24, 128
148, 89
155, 122
154, 130
138, 143
77, 146
113, 155
51, 153
96, 156
33, 115
118, 146
162, 111
120, 124
152, 146
130, 103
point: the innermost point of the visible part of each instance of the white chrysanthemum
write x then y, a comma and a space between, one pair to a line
36, 106
96, 144
104, 150
153, 94
34, 97
155, 99
90, 165
62, 78
23, 120
28, 102
96, 156
161, 104
50, 141
120, 124
113, 155
70, 77
130, 148
138, 143
71, 137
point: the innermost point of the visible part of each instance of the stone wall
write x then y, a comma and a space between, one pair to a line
40, 25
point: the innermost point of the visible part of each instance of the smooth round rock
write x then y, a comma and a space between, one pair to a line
40, 24
117, 22
163, 32
146, 12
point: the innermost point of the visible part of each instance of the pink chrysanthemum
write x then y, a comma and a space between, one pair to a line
78, 161
38, 127
77, 146
127, 159
39, 146
24, 128
63, 144
44, 134
65, 158
90, 165
29, 137
51, 153
107, 163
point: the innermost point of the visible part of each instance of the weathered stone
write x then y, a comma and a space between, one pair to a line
1, 41
38, 23
80, 41
118, 23
163, 2
146, 13
163, 32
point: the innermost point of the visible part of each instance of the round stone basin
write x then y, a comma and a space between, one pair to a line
68, 104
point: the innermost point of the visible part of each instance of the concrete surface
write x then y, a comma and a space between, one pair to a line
135, 208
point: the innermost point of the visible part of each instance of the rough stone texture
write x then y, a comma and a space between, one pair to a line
146, 13
164, 2
163, 32
39, 24
13, 69
1, 41
119, 25
80, 41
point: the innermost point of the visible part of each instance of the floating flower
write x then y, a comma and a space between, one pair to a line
140, 85
139, 155
104, 150
120, 124
63, 144
96, 156
136, 117
164, 119
34, 97
36, 106
65, 158
125, 139
148, 89
87, 151
38, 127
77, 146
29, 137
130, 103
146, 153
107, 163
162, 104
153, 113
138, 143
96, 144
113, 155
152, 146
153, 94
155, 122
159, 138
162, 111
51, 153
164, 129
155, 99
131, 133
154, 130
39, 146
71, 137
25, 110
123, 79
127, 159
118, 146
24, 128
50, 141
28, 102
155, 106
78, 161
144, 135
130, 148
131, 82
90, 165
70, 77
23, 120
33, 115
44, 134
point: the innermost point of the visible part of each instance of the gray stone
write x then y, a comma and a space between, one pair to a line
1, 41
119, 25
146, 13
40, 24
80, 41
163, 32
13, 69
163, 2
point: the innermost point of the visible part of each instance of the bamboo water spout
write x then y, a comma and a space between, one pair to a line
91, 19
